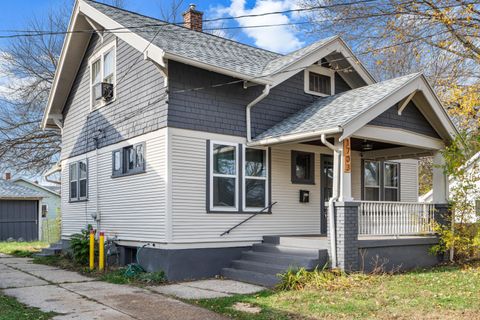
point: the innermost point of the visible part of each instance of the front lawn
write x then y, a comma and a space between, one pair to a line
447, 292
11, 309
22, 249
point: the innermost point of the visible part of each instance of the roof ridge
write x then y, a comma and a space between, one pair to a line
183, 27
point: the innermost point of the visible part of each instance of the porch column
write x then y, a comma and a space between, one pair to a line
345, 192
440, 180
346, 223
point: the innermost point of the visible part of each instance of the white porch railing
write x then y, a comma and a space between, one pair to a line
395, 218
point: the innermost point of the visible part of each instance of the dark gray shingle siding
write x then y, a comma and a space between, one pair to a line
222, 109
411, 119
131, 114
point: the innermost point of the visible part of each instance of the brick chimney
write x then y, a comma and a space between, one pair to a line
192, 19
8, 176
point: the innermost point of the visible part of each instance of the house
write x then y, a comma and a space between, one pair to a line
50, 204
472, 167
216, 157
20, 212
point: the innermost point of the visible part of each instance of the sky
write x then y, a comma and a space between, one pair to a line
283, 39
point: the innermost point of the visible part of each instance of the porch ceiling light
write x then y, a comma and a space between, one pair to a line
367, 146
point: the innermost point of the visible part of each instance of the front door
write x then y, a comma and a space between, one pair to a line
326, 185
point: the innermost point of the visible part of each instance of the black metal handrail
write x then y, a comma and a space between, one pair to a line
253, 215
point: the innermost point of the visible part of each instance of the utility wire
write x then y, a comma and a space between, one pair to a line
128, 29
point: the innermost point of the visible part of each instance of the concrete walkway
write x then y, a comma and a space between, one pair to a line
78, 297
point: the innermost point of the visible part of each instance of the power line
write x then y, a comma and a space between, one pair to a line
127, 29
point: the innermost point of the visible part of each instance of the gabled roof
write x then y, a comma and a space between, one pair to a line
10, 190
51, 189
340, 112
161, 41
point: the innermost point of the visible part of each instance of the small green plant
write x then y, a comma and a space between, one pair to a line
80, 246
121, 276
299, 279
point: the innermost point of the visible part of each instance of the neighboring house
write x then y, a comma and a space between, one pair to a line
51, 201
171, 137
472, 167
20, 212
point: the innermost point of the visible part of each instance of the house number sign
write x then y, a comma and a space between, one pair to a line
347, 156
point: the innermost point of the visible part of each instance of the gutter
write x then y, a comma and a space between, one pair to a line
264, 93
56, 168
333, 199
296, 137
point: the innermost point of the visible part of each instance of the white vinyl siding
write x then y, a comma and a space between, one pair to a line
131, 207
192, 223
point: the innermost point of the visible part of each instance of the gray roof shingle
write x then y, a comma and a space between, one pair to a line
204, 47
10, 190
336, 110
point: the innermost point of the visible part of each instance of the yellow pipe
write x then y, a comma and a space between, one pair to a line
101, 254
92, 250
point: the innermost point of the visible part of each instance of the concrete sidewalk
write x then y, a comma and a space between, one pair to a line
78, 297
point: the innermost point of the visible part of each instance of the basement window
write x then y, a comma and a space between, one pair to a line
128, 160
319, 81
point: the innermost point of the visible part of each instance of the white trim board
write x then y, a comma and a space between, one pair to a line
399, 136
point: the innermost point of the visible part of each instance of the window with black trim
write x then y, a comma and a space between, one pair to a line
223, 176
78, 180
255, 173
128, 160
303, 167
44, 210
381, 181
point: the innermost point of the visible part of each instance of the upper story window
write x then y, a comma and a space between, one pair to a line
78, 180
128, 160
381, 181
103, 76
319, 81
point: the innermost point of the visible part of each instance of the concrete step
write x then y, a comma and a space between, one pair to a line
258, 278
281, 259
295, 251
259, 267
307, 242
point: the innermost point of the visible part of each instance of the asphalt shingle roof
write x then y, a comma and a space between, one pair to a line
11, 190
337, 110
204, 47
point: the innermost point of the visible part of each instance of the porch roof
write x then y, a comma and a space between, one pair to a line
348, 111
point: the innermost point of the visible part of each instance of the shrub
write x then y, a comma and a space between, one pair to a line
80, 246
121, 276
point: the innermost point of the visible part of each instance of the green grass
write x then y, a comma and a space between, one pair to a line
22, 249
448, 292
11, 309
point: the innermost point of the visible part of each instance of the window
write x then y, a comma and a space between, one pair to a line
381, 181
371, 180
102, 69
44, 210
78, 180
224, 176
391, 181
255, 186
319, 81
128, 160
303, 164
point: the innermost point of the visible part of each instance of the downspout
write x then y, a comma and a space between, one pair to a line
264, 93
334, 198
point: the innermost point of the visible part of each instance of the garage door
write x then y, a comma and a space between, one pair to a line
19, 219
